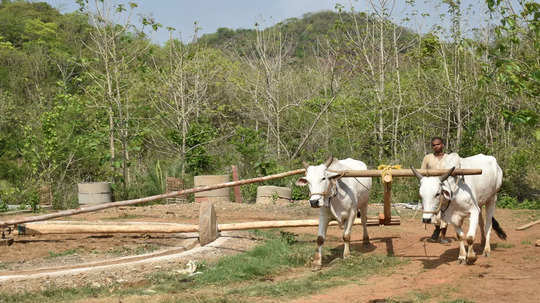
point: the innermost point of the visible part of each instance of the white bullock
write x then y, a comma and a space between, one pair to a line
338, 198
464, 196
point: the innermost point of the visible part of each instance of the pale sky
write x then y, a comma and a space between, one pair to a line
235, 14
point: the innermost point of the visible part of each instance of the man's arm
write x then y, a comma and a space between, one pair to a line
424, 162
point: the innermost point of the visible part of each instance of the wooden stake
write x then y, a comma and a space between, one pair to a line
237, 193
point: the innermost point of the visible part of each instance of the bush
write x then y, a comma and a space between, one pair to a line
506, 201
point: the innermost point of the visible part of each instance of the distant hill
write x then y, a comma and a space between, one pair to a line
305, 32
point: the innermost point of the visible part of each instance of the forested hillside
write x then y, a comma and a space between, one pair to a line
86, 96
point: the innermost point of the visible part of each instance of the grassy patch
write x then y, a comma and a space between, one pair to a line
341, 272
128, 251
68, 252
53, 294
265, 271
459, 301
526, 242
502, 245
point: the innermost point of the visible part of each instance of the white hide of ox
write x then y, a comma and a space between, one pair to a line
464, 196
338, 198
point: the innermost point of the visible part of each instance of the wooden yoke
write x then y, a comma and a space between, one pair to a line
387, 173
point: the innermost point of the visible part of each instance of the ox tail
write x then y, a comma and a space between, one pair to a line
498, 229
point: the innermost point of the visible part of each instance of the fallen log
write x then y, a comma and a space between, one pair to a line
99, 227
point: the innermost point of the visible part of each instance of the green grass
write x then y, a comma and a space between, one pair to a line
68, 252
341, 272
139, 250
502, 245
263, 271
526, 242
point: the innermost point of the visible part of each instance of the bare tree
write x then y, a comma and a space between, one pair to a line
116, 51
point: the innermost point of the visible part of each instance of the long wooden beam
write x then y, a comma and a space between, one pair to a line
345, 173
94, 208
98, 227
406, 172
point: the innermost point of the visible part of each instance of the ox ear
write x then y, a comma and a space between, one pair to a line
301, 182
446, 194
329, 161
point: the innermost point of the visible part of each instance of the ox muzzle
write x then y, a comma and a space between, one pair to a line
314, 203
426, 220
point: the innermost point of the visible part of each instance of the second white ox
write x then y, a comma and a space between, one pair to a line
338, 198
464, 196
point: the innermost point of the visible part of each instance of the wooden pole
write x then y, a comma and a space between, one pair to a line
237, 193
294, 223
94, 208
345, 173
98, 227
406, 172
528, 225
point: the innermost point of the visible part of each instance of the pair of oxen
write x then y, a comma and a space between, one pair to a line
342, 198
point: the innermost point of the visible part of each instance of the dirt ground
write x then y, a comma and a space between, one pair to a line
511, 274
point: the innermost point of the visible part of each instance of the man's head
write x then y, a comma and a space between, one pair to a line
437, 144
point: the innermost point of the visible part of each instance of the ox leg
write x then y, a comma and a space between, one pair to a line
347, 233
490, 210
473, 226
323, 225
481, 226
461, 238
363, 211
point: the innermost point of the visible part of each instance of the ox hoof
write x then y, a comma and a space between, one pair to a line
367, 244
471, 260
316, 267
461, 260
487, 252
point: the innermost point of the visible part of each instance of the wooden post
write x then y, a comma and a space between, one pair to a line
237, 193
387, 182
208, 231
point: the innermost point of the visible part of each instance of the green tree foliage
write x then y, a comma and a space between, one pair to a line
85, 98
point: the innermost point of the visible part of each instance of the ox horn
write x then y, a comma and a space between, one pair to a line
445, 176
416, 173
305, 164
329, 161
